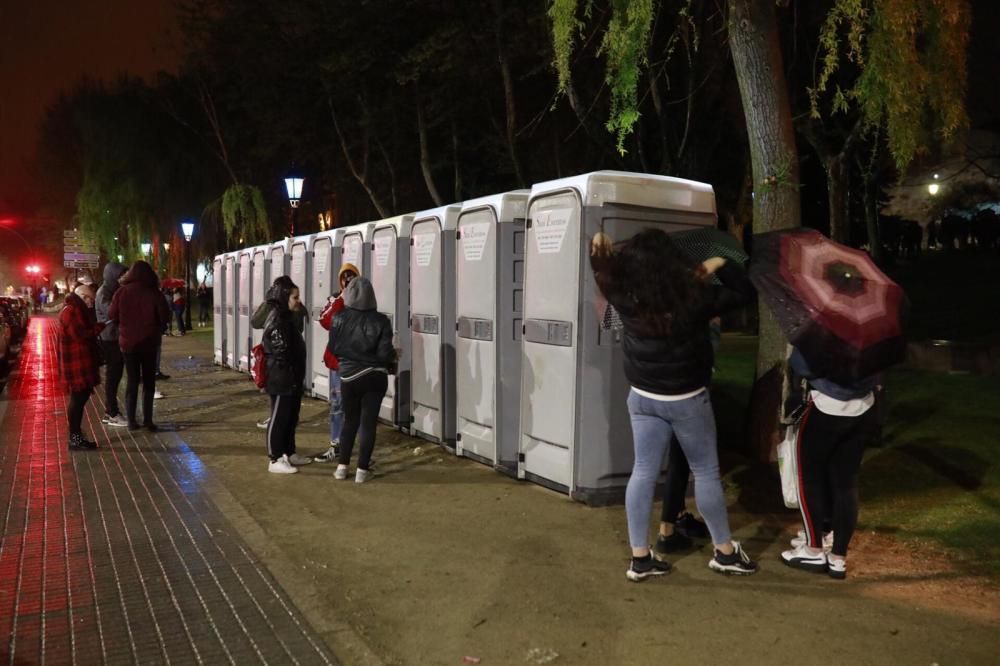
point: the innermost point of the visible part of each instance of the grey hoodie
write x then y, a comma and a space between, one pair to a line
360, 295
102, 301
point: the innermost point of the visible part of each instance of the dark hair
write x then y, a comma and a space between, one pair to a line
649, 279
281, 291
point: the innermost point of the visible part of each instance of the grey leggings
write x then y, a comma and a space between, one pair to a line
654, 422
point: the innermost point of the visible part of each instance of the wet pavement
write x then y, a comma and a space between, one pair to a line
119, 555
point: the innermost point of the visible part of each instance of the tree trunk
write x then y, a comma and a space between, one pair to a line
360, 174
837, 186
425, 156
756, 49
508, 94
458, 165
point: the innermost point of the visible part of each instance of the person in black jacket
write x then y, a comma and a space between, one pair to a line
665, 304
285, 357
361, 339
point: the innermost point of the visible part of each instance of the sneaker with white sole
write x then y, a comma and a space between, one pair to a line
802, 558
281, 466
118, 421
157, 395
737, 563
836, 567
800, 540
362, 475
297, 459
341, 472
330, 455
642, 568
263, 424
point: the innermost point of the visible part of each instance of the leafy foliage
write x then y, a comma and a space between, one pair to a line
244, 215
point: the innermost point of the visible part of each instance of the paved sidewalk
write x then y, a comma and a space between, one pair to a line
118, 555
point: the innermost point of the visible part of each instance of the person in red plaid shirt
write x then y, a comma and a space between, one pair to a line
78, 358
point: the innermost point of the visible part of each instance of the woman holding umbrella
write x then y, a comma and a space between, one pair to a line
665, 302
843, 317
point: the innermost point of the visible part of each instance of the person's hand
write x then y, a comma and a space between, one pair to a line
600, 245
712, 265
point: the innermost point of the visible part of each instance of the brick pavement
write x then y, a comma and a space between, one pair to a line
118, 555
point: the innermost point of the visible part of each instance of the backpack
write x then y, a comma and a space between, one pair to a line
258, 366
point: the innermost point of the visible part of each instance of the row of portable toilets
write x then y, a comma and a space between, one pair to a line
507, 356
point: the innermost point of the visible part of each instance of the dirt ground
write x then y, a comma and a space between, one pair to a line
441, 558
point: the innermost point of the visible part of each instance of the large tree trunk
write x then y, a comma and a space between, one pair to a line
425, 155
756, 48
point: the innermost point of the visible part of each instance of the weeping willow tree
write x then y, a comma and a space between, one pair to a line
243, 214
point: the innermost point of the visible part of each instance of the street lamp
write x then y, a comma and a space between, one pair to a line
293, 185
145, 247
188, 229
934, 188
33, 270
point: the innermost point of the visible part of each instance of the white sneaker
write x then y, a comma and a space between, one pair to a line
801, 558
329, 455
836, 567
281, 466
157, 395
118, 421
341, 472
362, 475
800, 540
263, 424
296, 459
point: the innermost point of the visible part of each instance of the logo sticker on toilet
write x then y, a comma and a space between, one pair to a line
474, 237
352, 249
550, 229
382, 243
423, 248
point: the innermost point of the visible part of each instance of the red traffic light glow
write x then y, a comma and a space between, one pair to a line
33, 269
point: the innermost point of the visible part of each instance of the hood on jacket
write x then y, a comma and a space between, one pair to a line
112, 273
347, 267
279, 293
360, 295
142, 273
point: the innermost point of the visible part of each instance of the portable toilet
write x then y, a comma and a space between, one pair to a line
260, 272
352, 246
277, 258
299, 267
232, 293
432, 324
389, 261
574, 424
325, 250
489, 273
241, 342
219, 309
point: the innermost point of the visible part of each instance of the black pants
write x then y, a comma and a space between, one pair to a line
284, 420
362, 398
676, 482
77, 403
203, 314
829, 450
180, 320
140, 365
114, 364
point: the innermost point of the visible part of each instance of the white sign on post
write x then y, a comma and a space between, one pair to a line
550, 229
382, 244
423, 247
474, 237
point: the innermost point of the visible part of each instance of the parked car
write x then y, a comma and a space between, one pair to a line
17, 315
5, 346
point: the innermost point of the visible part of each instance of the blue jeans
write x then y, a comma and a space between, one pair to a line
654, 422
336, 407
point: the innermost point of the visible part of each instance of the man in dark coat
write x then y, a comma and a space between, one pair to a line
141, 314
113, 359
78, 358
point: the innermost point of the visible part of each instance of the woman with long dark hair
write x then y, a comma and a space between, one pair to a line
665, 303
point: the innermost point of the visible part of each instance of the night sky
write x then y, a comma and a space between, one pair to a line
46, 46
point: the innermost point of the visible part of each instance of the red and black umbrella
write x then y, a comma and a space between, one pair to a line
831, 301
172, 283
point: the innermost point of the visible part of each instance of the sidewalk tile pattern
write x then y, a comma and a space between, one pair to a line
117, 556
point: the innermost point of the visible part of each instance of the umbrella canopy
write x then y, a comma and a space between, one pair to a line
707, 242
172, 283
831, 301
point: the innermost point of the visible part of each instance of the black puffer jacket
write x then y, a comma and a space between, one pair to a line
284, 349
361, 337
682, 361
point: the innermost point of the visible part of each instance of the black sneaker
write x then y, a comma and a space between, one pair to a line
738, 563
642, 568
691, 527
161, 376
79, 443
674, 543
151, 427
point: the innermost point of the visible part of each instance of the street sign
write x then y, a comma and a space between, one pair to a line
81, 248
81, 256
71, 233
80, 264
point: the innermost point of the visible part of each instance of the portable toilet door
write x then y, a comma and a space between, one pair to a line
489, 262
232, 283
299, 266
389, 259
352, 246
325, 250
278, 261
574, 424
242, 340
432, 324
259, 275
219, 309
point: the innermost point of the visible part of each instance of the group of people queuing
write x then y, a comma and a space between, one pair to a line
666, 301
359, 357
120, 326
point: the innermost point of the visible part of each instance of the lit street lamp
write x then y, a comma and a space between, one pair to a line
293, 185
188, 229
145, 247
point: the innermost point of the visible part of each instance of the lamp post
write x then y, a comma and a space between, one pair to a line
188, 229
293, 185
